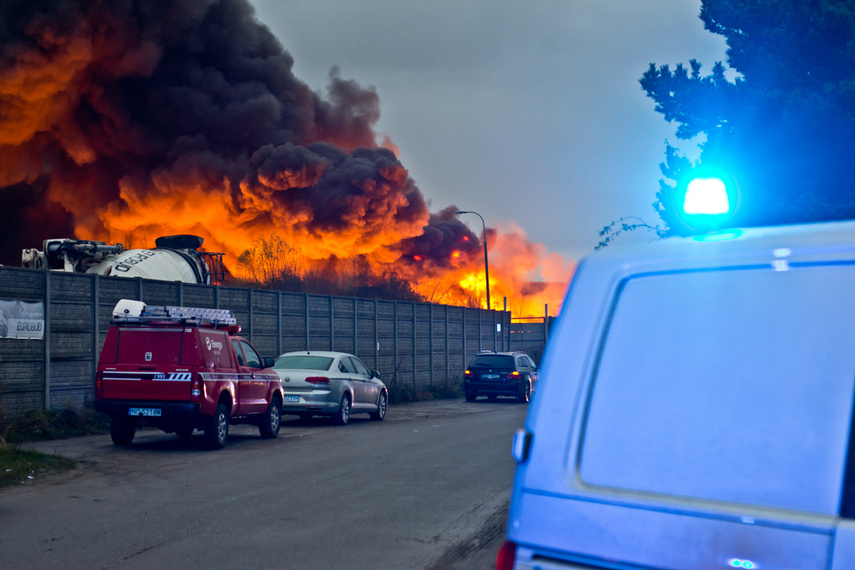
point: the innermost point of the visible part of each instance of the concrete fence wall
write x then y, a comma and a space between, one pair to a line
418, 344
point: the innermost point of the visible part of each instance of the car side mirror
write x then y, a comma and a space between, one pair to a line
269, 361
375, 374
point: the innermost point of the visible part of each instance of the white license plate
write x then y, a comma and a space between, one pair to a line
153, 412
490, 376
292, 398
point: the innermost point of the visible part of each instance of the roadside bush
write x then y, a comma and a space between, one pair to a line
36, 425
400, 392
451, 389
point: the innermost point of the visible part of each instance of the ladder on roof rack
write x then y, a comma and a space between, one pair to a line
129, 311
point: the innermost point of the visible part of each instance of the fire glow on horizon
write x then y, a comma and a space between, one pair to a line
141, 119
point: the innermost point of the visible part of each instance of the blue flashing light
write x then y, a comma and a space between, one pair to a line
706, 196
705, 200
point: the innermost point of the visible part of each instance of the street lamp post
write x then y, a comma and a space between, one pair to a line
486, 264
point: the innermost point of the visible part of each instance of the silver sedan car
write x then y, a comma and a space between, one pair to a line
334, 384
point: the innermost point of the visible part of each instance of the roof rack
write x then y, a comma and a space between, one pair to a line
130, 311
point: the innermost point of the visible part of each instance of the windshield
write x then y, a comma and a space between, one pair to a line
302, 362
492, 361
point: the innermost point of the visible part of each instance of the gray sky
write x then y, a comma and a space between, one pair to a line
526, 112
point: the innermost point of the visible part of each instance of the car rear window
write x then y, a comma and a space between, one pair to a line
492, 361
712, 385
303, 362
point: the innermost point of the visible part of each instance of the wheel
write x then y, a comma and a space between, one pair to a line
122, 430
343, 415
381, 408
217, 430
184, 431
471, 396
269, 426
526, 393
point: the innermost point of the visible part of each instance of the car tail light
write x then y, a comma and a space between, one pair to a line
318, 380
506, 557
514, 375
468, 374
99, 385
198, 387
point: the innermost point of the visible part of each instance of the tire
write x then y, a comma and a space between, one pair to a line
343, 416
217, 428
471, 396
382, 404
270, 422
525, 396
122, 431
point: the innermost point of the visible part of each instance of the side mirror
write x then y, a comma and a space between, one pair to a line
375, 374
269, 361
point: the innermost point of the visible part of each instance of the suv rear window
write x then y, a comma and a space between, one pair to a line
712, 384
492, 361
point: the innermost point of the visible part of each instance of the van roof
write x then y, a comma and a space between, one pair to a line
784, 243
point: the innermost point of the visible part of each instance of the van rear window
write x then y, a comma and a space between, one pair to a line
731, 386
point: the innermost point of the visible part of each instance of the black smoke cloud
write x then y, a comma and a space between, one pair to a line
107, 103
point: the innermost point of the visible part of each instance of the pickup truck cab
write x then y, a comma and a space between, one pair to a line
180, 369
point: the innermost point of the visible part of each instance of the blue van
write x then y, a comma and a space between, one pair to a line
695, 409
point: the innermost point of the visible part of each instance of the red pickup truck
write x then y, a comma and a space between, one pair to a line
180, 369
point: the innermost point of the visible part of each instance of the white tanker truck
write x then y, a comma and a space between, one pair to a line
174, 258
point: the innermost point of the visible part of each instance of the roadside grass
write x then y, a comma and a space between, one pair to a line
20, 466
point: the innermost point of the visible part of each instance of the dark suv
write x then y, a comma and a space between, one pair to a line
500, 374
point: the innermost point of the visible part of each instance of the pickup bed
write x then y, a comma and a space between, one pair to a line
180, 369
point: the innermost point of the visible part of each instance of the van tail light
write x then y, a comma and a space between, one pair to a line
318, 380
506, 557
99, 385
197, 389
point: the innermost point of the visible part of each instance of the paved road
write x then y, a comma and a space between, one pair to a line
427, 488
